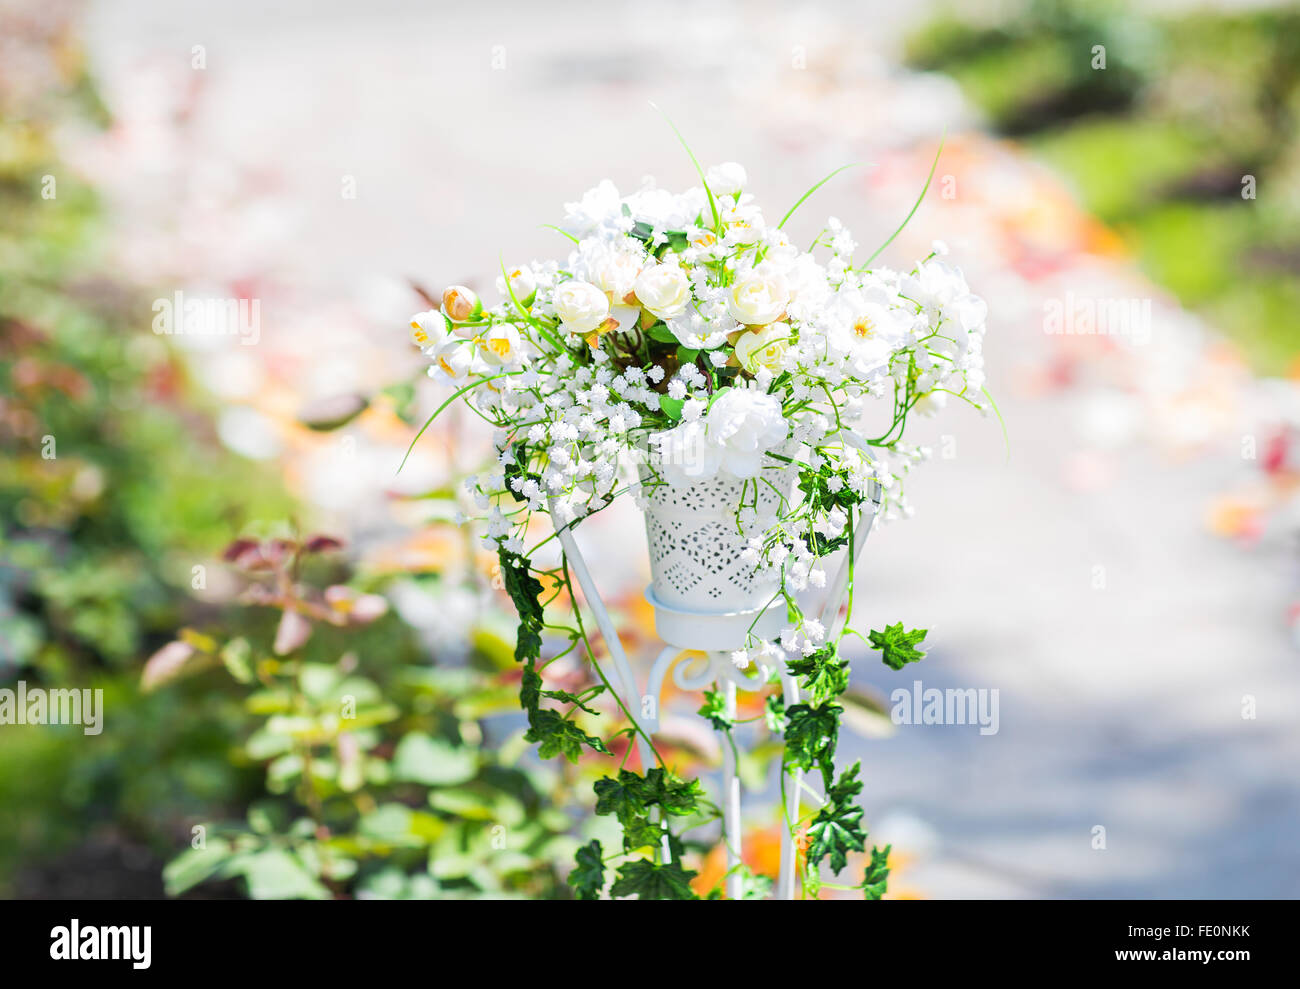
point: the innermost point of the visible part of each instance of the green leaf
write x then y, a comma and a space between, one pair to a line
672, 407
236, 656
559, 736
811, 734
588, 876
837, 828
642, 833
567, 698
525, 592
774, 712
875, 878
661, 334
275, 874
824, 674
898, 648
194, 865
754, 885
530, 689
630, 796
421, 758
715, 709
915, 206
674, 794
687, 355
804, 197
647, 881
622, 797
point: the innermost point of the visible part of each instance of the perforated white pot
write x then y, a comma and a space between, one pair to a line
705, 596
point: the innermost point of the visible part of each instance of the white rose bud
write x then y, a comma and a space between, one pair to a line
521, 283
664, 290
581, 306
452, 363
726, 179
502, 346
765, 347
460, 304
428, 329
758, 298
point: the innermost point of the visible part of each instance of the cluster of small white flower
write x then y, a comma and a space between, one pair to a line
685, 328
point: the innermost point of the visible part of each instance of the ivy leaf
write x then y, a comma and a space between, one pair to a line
559, 736
646, 881
774, 712
621, 797
837, 828
530, 690
564, 697
630, 796
898, 648
824, 674
525, 591
588, 876
874, 879
674, 794
715, 709
642, 833
811, 734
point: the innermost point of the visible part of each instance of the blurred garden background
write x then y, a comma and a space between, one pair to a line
212, 530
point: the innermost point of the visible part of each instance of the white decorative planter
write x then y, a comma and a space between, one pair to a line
704, 595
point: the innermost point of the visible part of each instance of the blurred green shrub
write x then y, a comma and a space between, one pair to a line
1188, 143
376, 784
1033, 64
112, 486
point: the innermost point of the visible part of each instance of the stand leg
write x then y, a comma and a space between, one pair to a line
626, 679
731, 825
785, 881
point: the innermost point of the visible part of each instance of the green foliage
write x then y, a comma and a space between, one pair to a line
811, 734
1220, 91
525, 592
824, 673
113, 486
557, 735
588, 878
837, 828
715, 709
647, 880
898, 648
876, 875
375, 792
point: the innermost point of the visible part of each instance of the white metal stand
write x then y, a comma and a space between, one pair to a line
717, 635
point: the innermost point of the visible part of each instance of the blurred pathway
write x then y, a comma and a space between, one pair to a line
1077, 576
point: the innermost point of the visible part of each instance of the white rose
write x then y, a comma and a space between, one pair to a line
581, 306
664, 289
763, 348
616, 273
758, 298
686, 455
743, 425
726, 179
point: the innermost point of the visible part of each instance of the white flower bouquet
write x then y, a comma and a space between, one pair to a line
752, 396
687, 335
